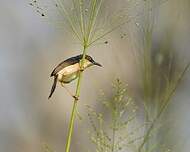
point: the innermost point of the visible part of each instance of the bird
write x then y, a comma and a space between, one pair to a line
69, 69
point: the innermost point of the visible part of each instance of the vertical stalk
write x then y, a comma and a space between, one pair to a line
113, 131
77, 94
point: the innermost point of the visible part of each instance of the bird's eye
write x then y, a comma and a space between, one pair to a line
91, 59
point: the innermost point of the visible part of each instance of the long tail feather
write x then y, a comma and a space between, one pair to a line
53, 87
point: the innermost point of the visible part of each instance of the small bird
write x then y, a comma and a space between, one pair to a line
69, 70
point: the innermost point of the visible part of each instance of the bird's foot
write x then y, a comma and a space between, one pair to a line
81, 69
75, 97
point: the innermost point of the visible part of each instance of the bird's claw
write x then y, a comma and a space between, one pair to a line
81, 69
76, 98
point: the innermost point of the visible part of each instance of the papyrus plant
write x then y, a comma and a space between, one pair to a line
161, 71
85, 22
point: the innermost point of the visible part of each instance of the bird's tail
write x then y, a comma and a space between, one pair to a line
53, 86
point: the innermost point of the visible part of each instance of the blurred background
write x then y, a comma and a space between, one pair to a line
30, 48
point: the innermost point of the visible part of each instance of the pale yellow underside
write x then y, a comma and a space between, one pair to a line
70, 73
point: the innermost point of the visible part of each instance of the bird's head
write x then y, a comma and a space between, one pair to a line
90, 61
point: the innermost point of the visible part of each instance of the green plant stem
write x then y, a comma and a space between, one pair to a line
113, 133
74, 108
71, 125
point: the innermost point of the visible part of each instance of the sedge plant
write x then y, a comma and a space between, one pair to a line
83, 20
161, 72
82, 17
118, 128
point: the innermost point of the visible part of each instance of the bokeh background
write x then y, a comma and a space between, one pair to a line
30, 48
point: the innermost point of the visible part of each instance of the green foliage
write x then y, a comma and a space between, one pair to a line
118, 131
119, 128
86, 19
161, 72
81, 16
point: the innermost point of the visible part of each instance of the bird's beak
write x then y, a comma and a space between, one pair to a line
98, 64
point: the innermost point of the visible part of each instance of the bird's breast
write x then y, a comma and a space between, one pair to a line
69, 69
68, 73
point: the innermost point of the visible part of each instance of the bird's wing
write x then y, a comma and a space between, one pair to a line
66, 63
